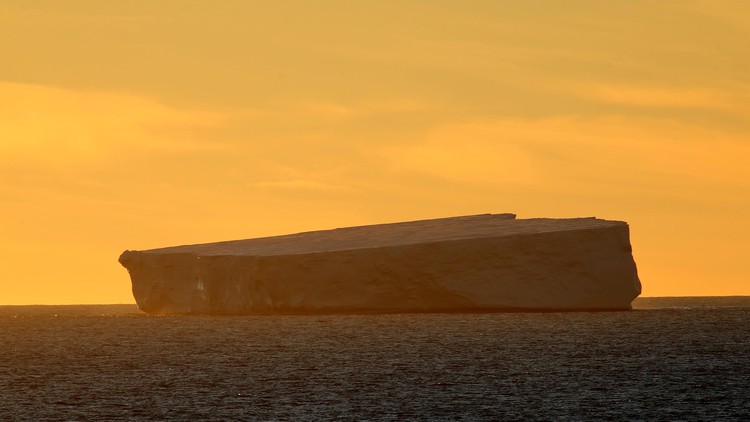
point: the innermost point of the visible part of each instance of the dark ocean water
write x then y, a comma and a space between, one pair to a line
670, 359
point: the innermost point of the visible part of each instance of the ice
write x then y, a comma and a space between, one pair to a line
472, 263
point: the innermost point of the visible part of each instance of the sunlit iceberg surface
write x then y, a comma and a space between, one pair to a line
477, 263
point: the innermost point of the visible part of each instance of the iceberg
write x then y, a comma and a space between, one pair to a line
478, 263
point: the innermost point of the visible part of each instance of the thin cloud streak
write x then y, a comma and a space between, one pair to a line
54, 125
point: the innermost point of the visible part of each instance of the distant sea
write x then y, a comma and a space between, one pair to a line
669, 359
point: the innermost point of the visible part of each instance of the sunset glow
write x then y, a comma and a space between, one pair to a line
141, 124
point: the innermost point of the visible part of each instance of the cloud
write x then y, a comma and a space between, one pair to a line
583, 154
54, 125
66, 18
476, 152
670, 97
306, 185
330, 110
735, 12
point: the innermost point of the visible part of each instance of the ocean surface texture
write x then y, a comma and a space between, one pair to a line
670, 359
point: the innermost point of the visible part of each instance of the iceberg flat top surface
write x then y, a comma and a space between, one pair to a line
393, 234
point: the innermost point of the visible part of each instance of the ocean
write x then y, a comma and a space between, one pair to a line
668, 359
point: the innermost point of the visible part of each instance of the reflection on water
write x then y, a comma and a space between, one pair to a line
681, 358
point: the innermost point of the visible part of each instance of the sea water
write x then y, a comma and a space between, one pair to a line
669, 359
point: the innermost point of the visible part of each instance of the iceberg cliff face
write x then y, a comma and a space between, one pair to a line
475, 263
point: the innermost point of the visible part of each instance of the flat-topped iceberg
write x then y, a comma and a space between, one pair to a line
490, 262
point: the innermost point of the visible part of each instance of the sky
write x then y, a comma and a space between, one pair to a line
142, 124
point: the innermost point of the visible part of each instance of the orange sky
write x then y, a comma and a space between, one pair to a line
140, 124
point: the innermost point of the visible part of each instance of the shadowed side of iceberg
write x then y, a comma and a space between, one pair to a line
582, 269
